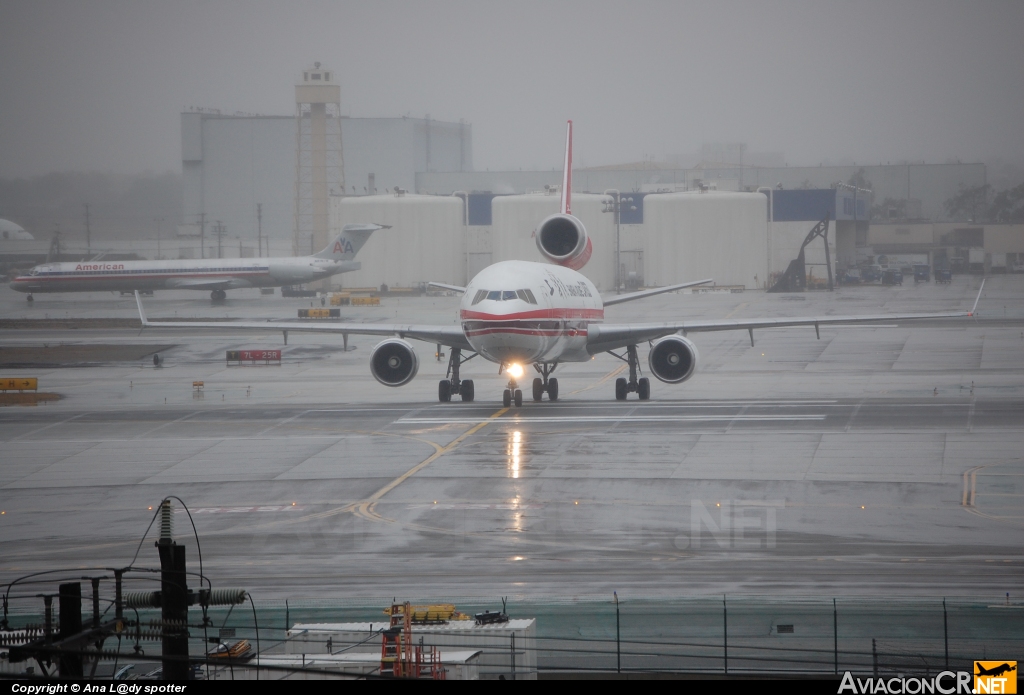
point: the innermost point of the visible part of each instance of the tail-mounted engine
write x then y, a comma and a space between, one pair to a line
673, 359
563, 239
393, 362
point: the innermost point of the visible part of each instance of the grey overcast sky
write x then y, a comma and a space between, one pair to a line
98, 85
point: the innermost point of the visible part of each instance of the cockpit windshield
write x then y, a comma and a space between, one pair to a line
504, 295
34, 271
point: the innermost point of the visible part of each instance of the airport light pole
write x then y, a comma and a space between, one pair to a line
158, 220
614, 205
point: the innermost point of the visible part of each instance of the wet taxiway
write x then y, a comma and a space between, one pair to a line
882, 460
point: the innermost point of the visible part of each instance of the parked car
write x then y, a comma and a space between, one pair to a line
871, 273
892, 277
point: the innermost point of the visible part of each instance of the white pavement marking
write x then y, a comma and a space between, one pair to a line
283, 422
853, 415
612, 418
166, 424
36, 431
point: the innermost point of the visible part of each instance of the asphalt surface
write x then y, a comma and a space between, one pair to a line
878, 461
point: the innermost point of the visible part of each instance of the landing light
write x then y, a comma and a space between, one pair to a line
515, 370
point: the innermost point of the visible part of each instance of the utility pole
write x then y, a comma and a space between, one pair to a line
202, 235
259, 230
88, 232
219, 230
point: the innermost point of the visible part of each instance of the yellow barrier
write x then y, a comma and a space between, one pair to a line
341, 299
22, 384
365, 301
319, 313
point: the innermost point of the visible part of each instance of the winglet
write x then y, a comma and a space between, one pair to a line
567, 172
142, 312
978, 298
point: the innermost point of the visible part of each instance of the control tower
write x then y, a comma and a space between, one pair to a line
319, 166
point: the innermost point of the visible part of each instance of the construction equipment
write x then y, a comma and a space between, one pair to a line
795, 277
436, 614
398, 659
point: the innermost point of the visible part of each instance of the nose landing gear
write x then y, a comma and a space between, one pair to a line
453, 385
512, 393
641, 386
542, 385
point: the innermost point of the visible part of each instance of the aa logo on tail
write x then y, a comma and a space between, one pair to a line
342, 246
995, 677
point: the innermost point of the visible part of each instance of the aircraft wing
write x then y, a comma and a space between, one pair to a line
602, 337
202, 284
453, 288
619, 299
452, 336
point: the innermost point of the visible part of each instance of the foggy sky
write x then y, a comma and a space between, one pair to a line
99, 85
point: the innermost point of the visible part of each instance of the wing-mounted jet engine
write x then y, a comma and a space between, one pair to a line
393, 362
563, 239
673, 359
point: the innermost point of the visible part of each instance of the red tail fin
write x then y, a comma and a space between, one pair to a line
567, 172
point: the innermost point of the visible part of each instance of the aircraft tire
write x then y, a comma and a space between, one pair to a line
553, 389
506, 398
519, 398
620, 389
444, 391
467, 390
643, 389
538, 389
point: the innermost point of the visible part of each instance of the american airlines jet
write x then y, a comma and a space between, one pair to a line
215, 275
521, 313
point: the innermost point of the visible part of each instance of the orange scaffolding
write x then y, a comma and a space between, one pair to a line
398, 658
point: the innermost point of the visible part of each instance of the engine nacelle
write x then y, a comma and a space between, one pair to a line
393, 362
563, 239
673, 359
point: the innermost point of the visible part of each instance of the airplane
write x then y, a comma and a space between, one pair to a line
518, 313
995, 671
214, 274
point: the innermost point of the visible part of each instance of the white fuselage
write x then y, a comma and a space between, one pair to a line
201, 274
523, 312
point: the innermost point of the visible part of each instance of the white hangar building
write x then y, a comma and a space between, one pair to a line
668, 238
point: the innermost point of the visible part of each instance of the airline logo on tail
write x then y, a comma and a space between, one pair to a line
348, 243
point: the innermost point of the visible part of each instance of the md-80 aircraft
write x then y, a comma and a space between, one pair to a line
520, 313
215, 275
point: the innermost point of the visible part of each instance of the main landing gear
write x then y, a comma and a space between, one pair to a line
642, 386
550, 386
452, 385
30, 298
218, 295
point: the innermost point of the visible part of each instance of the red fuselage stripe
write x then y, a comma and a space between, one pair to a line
136, 276
537, 314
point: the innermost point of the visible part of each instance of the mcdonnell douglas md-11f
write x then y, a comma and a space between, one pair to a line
215, 275
518, 313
